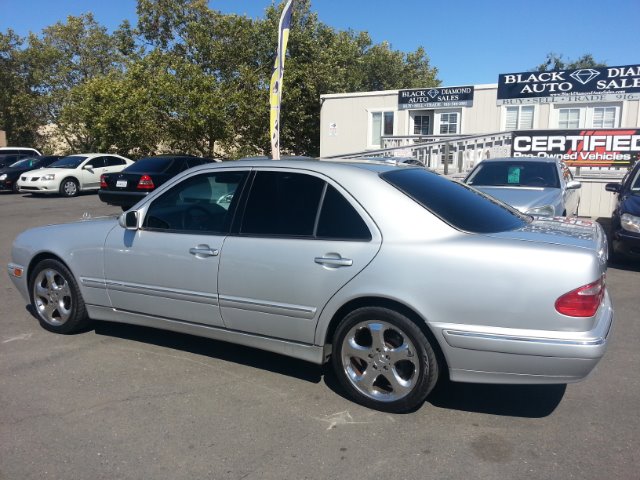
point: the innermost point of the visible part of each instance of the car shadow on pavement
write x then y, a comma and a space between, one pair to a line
527, 401
229, 352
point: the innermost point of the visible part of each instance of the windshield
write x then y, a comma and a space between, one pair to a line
26, 163
72, 161
635, 185
455, 203
515, 174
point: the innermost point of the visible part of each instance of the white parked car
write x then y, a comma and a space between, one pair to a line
73, 174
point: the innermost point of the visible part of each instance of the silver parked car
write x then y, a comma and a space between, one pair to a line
393, 273
533, 185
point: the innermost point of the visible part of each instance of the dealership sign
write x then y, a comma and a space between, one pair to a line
569, 86
586, 148
435, 98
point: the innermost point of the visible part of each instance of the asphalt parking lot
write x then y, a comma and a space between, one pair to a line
125, 402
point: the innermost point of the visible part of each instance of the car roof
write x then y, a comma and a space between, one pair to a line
316, 165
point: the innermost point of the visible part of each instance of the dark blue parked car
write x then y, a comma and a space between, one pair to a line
625, 219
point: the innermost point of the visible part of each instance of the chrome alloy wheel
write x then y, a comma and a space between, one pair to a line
52, 297
380, 361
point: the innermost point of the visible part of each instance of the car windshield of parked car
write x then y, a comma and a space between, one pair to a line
26, 163
515, 174
150, 165
72, 161
455, 203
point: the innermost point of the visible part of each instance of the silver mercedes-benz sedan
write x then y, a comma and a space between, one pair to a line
396, 275
533, 185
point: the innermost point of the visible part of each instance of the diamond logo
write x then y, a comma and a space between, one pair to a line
585, 75
433, 93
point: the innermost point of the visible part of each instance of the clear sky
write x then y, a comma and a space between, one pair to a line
470, 42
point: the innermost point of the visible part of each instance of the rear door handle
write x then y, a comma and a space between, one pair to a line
203, 251
334, 262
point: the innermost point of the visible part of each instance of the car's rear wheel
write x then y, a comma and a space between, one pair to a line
384, 360
56, 298
69, 187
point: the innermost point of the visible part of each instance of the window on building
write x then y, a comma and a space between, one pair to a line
519, 118
421, 124
604, 117
448, 123
381, 124
589, 117
569, 118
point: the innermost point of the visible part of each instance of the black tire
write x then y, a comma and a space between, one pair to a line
14, 187
356, 352
56, 299
69, 187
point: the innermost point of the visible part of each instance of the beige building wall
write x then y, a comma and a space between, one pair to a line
345, 118
3, 138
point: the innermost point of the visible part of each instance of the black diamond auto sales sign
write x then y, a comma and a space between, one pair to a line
435, 98
570, 86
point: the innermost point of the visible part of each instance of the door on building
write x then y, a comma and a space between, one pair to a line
421, 122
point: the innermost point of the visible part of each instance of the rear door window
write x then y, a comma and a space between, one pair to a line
291, 204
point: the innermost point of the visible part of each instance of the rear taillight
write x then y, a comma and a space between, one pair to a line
146, 183
583, 301
103, 182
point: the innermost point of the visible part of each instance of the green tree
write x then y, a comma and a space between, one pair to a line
190, 78
19, 113
555, 61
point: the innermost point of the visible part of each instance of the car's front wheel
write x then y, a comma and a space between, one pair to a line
56, 298
69, 187
384, 360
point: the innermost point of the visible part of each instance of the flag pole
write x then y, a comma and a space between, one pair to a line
275, 87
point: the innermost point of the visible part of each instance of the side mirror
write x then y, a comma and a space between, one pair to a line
573, 185
129, 220
613, 187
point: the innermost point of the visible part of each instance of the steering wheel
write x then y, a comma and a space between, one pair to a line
226, 198
196, 217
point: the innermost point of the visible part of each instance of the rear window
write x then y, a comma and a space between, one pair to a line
150, 165
458, 205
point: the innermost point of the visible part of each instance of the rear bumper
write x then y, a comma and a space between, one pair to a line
503, 356
121, 199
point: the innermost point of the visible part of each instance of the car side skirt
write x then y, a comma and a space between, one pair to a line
309, 353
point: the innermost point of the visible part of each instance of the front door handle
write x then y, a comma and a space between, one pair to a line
333, 261
202, 251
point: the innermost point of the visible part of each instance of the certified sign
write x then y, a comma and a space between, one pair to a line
587, 148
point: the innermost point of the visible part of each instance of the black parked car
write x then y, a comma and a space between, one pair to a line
625, 219
127, 187
9, 175
7, 159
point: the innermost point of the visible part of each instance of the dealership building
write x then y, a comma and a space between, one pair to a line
588, 117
